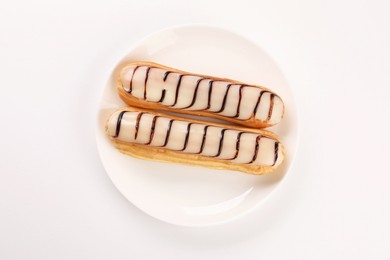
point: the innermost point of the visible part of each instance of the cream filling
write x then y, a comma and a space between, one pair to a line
178, 134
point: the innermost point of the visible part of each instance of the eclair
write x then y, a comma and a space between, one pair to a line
152, 135
154, 86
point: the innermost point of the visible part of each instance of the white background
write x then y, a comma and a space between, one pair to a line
56, 201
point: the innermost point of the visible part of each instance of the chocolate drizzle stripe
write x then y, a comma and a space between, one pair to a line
137, 122
177, 90
256, 149
237, 145
203, 139
187, 136
166, 75
162, 96
211, 82
224, 99
220, 143
276, 153
239, 102
258, 102
168, 133
118, 123
152, 129
146, 81
131, 80
195, 93
271, 106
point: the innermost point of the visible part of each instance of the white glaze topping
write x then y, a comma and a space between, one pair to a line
190, 92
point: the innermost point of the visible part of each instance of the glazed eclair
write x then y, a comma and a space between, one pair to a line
163, 137
154, 86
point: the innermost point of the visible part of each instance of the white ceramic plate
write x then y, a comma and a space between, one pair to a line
186, 195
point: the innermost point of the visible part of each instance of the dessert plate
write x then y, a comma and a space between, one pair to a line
186, 195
